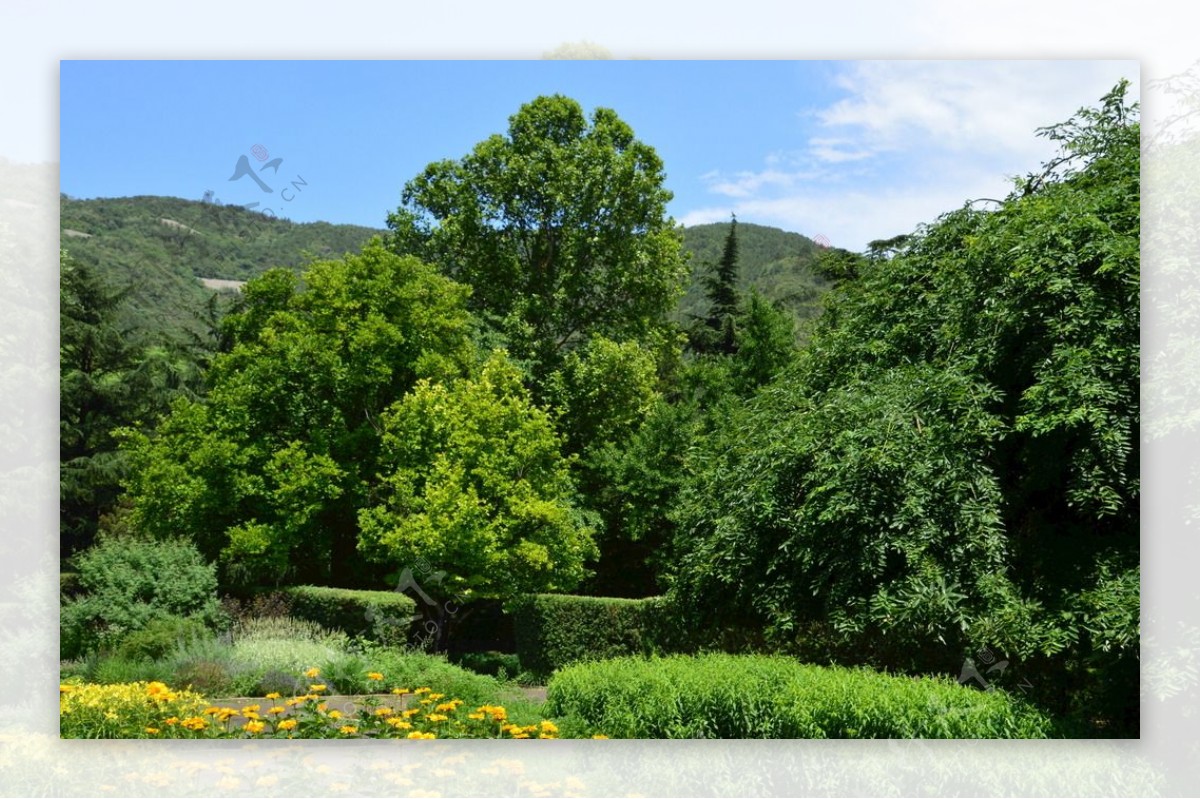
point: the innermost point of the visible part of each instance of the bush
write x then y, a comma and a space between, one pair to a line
756, 696
494, 664
553, 630
160, 637
126, 583
382, 616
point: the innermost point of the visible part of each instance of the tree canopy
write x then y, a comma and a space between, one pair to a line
560, 227
953, 460
269, 473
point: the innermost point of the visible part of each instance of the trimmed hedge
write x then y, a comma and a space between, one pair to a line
554, 630
759, 696
376, 615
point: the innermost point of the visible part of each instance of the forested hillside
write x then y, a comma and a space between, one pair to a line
777, 263
157, 247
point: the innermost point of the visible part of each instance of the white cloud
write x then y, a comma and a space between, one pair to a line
979, 107
909, 140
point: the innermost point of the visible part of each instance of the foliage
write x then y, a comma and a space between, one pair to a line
554, 630
475, 484
375, 615
781, 266
737, 696
109, 377
161, 636
715, 332
125, 586
955, 454
501, 665
559, 226
268, 474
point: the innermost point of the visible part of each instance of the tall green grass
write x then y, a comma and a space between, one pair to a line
754, 696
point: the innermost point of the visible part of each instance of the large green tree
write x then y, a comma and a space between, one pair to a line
268, 474
953, 462
559, 226
475, 484
110, 375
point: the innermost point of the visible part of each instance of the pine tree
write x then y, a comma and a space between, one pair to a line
719, 333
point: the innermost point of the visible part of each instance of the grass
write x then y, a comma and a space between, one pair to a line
758, 696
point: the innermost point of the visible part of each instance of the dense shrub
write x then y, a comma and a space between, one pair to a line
738, 696
376, 615
160, 637
126, 583
490, 663
553, 630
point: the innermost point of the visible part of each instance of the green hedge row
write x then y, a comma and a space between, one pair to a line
376, 615
554, 630
759, 696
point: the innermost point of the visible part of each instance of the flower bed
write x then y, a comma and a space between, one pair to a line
153, 710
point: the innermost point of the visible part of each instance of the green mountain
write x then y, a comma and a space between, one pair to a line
778, 264
160, 248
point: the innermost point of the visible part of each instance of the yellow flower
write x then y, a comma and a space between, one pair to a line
412, 711
374, 675
599, 737
321, 708
475, 716
417, 734
435, 717
446, 706
152, 730
436, 697
276, 710
549, 726
400, 691
254, 727
251, 709
273, 695
316, 688
423, 690
313, 672
288, 724
348, 729
335, 714
399, 723
383, 711
65, 689
171, 722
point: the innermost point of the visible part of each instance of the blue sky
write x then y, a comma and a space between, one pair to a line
849, 150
